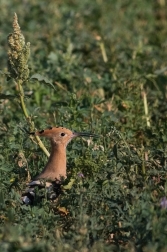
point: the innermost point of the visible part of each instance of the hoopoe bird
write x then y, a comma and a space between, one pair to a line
55, 170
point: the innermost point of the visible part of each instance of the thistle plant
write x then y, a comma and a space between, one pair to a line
18, 55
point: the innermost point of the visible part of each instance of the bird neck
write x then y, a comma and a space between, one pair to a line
55, 169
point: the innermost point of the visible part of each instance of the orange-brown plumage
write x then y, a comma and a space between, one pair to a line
55, 169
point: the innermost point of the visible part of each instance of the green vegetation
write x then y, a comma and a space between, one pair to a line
99, 67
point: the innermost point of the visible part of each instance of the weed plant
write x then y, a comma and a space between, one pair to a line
96, 66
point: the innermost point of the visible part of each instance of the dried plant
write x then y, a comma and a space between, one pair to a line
18, 55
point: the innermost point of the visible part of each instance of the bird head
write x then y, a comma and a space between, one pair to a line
61, 135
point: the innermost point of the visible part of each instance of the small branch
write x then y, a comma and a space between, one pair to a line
39, 142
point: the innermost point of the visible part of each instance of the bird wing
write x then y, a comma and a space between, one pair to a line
52, 190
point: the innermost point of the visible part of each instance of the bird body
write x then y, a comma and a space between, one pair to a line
55, 169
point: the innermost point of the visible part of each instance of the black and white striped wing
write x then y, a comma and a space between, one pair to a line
49, 189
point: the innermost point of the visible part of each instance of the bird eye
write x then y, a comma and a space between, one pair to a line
62, 134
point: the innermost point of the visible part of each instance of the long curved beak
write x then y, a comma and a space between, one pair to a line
84, 134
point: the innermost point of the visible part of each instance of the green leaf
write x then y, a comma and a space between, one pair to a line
43, 79
69, 185
6, 168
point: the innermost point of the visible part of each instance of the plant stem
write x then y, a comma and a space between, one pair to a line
103, 51
23, 106
145, 106
22, 100
143, 166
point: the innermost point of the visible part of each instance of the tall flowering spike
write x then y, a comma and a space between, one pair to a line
18, 53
